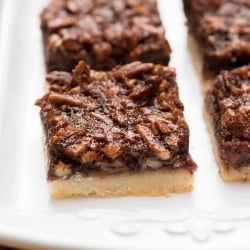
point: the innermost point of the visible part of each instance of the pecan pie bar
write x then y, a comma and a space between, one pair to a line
222, 31
115, 133
102, 33
228, 115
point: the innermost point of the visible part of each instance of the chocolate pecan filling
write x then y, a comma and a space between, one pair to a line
127, 119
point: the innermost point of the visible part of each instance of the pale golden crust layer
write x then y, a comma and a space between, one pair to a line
160, 182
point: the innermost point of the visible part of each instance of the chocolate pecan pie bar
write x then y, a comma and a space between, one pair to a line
222, 30
103, 33
228, 115
114, 133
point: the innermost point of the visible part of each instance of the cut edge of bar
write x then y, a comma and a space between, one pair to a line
227, 173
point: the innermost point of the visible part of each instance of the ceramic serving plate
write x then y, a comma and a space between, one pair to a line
215, 214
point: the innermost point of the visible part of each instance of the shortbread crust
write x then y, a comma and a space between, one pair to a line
160, 182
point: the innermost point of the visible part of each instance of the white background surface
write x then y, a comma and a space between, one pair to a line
215, 214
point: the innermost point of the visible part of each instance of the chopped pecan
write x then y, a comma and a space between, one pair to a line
140, 92
62, 170
153, 163
152, 143
120, 118
59, 77
76, 129
131, 83
71, 45
112, 167
112, 150
159, 124
62, 99
73, 6
98, 75
81, 73
77, 148
54, 42
131, 70
164, 101
61, 22
88, 156
102, 50
58, 119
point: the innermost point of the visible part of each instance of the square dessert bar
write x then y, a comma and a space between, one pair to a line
115, 133
222, 29
228, 115
102, 33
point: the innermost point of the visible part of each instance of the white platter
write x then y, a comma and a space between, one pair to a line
215, 214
